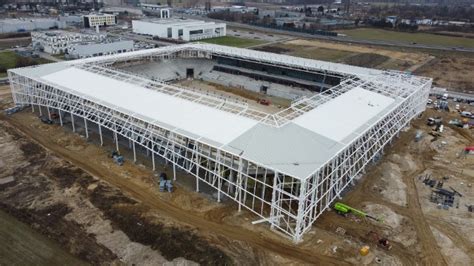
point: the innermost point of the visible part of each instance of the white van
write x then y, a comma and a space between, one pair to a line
466, 114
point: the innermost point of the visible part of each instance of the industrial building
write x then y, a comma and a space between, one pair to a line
285, 167
93, 20
78, 45
91, 49
25, 25
60, 42
156, 10
179, 29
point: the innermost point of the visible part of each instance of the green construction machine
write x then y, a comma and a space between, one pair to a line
344, 209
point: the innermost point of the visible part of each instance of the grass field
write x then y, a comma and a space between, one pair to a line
420, 38
324, 54
8, 60
233, 41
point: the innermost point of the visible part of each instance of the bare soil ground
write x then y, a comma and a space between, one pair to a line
120, 216
239, 94
12, 42
456, 73
352, 54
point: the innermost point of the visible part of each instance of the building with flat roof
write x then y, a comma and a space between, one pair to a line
77, 44
179, 29
286, 168
30, 24
92, 20
156, 10
91, 49
60, 41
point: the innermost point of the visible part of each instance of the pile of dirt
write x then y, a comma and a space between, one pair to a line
273, 49
393, 188
366, 60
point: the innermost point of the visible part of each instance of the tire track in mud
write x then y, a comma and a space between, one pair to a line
451, 232
145, 196
431, 253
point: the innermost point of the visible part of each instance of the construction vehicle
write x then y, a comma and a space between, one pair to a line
118, 159
165, 183
263, 101
381, 241
344, 209
46, 120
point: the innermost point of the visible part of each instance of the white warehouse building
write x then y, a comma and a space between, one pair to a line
59, 41
180, 29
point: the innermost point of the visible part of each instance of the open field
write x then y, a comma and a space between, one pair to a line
9, 59
22, 245
12, 42
351, 54
451, 72
419, 38
233, 41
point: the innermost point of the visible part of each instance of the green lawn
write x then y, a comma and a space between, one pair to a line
8, 60
420, 38
233, 41
317, 53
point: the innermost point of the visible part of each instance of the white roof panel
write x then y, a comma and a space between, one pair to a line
342, 116
204, 121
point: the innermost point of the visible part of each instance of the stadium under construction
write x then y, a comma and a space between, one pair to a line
286, 167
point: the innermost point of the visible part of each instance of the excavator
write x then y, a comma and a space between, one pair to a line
344, 209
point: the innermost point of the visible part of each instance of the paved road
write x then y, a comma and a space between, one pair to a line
346, 39
48, 56
452, 94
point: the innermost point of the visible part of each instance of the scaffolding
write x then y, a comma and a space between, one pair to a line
289, 203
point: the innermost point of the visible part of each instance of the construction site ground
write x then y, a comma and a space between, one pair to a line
240, 95
67, 188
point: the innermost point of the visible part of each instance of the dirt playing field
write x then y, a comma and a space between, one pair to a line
239, 94
68, 189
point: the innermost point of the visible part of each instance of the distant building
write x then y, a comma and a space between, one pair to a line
391, 19
180, 29
93, 20
83, 50
78, 45
60, 42
156, 10
26, 25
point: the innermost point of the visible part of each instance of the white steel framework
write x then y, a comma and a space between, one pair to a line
290, 201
